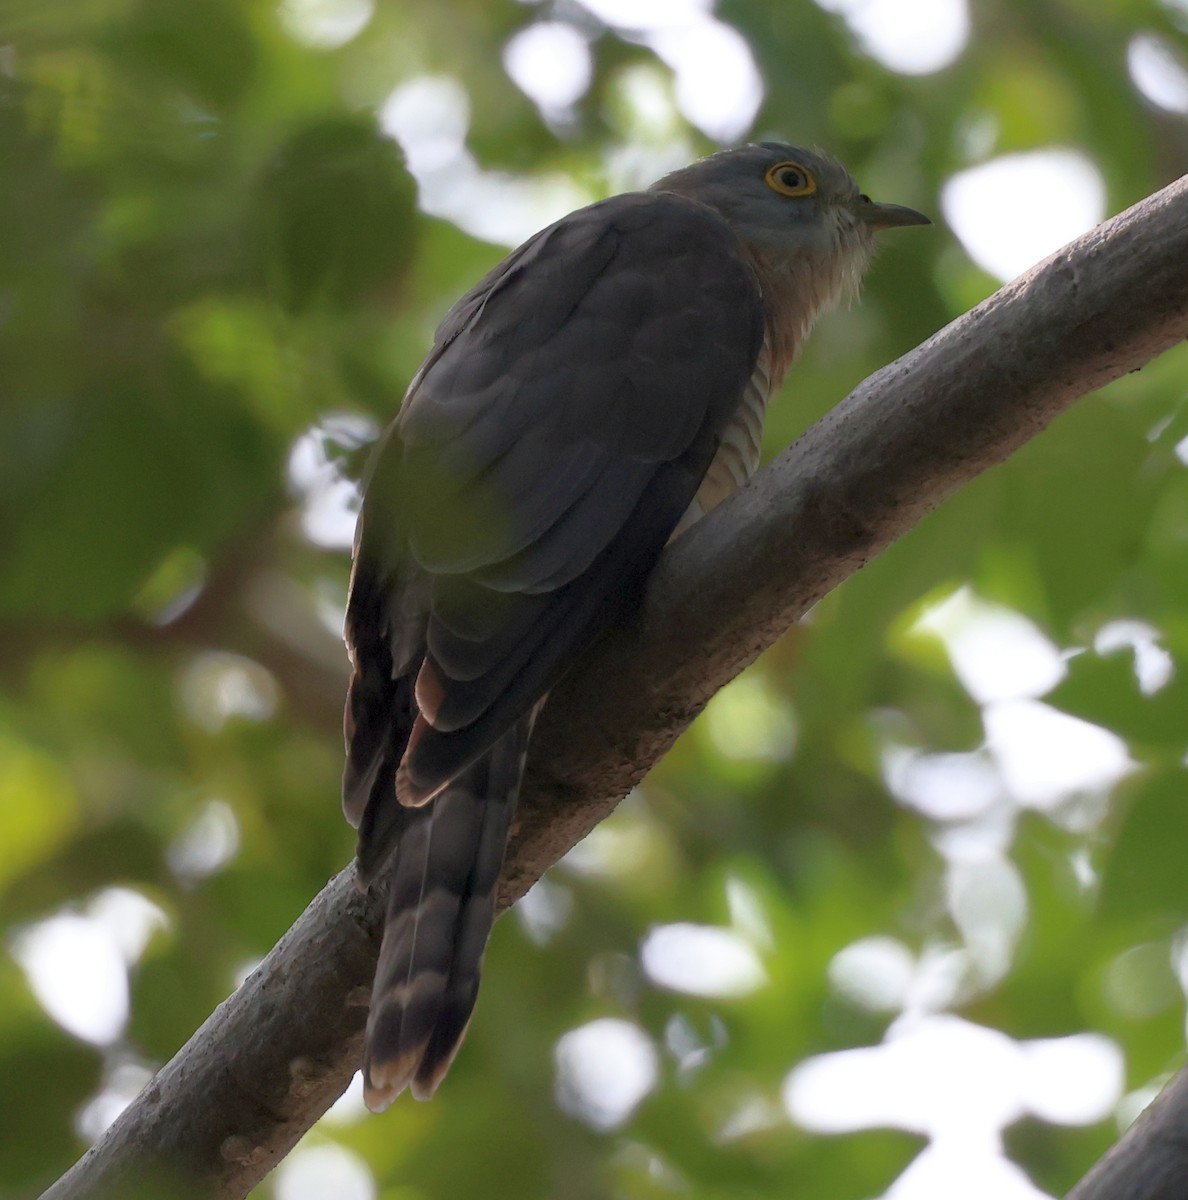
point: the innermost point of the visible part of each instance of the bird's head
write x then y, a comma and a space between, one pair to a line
775, 191
800, 217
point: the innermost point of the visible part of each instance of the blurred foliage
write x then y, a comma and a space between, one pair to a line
215, 279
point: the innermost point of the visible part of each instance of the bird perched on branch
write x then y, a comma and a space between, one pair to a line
597, 392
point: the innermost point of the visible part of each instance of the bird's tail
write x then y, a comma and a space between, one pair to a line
440, 910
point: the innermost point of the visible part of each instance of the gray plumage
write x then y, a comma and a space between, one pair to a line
595, 393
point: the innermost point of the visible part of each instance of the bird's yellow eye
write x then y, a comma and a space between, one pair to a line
791, 179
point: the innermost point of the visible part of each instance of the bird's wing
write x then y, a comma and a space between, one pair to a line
543, 455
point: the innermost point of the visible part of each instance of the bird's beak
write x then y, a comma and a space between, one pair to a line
888, 216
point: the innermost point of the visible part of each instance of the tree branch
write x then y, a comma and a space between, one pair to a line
1151, 1161
272, 1058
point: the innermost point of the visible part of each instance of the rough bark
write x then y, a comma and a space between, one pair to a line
272, 1058
1151, 1161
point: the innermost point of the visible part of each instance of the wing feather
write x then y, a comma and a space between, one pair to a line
545, 451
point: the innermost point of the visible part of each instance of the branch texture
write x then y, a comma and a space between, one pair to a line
1151, 1161
273, 1057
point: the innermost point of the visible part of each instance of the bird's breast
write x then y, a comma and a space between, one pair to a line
737, 458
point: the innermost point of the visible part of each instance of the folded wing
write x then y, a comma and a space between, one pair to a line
543, 455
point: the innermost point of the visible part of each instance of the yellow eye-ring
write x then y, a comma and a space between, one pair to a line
791, 179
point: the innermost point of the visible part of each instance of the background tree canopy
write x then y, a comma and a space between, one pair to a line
903, 914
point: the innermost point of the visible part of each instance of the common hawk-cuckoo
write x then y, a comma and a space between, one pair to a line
598, 391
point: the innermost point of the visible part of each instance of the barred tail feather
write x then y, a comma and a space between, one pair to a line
440, 910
